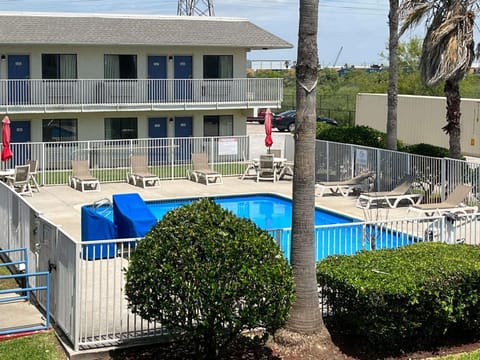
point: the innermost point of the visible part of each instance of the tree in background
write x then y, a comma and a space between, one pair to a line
447, 51
392, 76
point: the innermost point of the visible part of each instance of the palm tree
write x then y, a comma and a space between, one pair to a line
447, 53
393, 76
305, 316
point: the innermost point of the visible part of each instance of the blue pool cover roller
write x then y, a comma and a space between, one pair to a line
132, 216
96, 227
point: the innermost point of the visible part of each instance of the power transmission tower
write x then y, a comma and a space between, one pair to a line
195, 7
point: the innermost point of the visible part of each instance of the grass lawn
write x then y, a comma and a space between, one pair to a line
41, 346
44, 346
6, 283
474, 355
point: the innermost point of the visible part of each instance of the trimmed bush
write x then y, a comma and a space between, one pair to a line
207, 275
427, 150
358, 135
404, 299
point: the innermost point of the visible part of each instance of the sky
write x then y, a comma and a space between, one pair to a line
353, 32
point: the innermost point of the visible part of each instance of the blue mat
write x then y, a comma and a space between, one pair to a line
97, 227
132, 216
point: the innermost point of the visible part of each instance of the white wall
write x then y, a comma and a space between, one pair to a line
91, 126
90, 65
420, 119
90, 59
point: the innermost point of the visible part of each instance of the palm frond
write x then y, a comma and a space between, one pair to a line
448, 48
413, 12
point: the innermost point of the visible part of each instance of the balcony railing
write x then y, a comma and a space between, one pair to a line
19, 96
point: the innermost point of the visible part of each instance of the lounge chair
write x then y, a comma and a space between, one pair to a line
266, 168
20, 180
345, 187
452, 204
139, 172
201, 171
33, 174
391, 198
81, 177
251, 167
286, 169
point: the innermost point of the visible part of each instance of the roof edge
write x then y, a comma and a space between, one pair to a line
119, 16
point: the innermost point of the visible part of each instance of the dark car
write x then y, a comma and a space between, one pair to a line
286, 120
260, 118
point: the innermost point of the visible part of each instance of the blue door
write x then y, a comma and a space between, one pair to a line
182, 70
183, 132
20, 137
157, 73
18, 75
158, 142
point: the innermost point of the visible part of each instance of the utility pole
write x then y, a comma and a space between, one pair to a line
195, 8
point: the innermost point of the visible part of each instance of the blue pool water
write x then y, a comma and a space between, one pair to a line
342, 234
267, 211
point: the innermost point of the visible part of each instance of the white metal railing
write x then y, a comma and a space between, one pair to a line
434, 177
109, 160
170, 158
143, 94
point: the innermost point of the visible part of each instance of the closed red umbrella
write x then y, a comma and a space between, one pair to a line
268, 129
6, 151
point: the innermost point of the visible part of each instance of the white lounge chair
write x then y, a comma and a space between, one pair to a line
81, 177
391, 198
139, 172
250, 169
20, 180
266, 168
345, 187
452, 204
286, 169
201, 170
33, 174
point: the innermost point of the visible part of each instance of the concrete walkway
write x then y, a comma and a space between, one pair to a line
19, 314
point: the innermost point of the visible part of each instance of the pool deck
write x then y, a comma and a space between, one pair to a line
62, 204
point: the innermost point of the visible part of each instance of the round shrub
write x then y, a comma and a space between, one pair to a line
358, 135
427, 150
207, 275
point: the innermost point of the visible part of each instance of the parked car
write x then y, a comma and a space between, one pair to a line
286, 120
260, 118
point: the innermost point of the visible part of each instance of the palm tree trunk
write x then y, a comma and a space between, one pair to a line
393, 76
452, 94
305, 316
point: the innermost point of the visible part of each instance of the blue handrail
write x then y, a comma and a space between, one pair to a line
23, 293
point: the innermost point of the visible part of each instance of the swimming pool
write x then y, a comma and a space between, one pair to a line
267, 211
338, 234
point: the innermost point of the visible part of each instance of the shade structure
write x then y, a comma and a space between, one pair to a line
6, 151
268, 128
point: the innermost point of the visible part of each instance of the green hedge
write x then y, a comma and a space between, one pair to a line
410, 298
367, 136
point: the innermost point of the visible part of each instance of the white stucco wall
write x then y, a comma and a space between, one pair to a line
90, 59
90, 65
91, 126
420, 119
